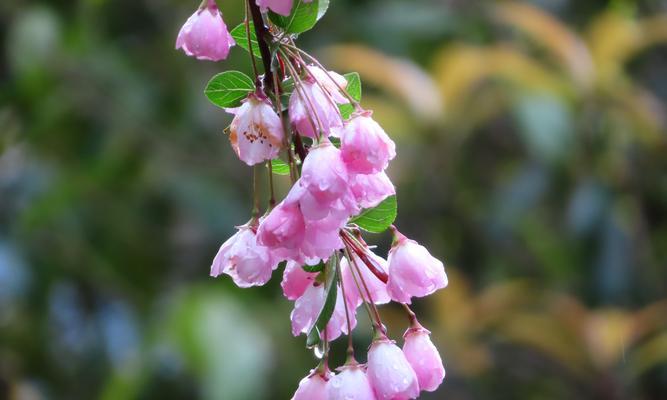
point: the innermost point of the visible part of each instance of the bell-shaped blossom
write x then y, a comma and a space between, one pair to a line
331, 81
370, 190
322, 238
246, 261
350, 384
296, 280
307, 308
314, 109
283, 229
365, 147
413, 271
377, 288
256, 132
312, 387
390, 373
324, 174
424, 358
204, 35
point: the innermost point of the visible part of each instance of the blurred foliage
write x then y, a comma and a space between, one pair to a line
532, 158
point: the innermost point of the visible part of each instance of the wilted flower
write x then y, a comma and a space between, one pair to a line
424, 358
256, 132
204, 35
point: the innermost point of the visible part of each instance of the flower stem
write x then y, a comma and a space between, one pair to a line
350, 346
247, 33
261, 32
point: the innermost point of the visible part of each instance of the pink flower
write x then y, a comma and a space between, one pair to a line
331, 81
390, 373
322, 238
296, 280
376, 287
256, 131
370, 190
248, 263
283, 228
324, 174
365, 146
350, 384
413, 271
204, 35
308, 307
312, 387
282, 7
424, 358
313, 107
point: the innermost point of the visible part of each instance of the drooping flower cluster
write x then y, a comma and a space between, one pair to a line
309, 120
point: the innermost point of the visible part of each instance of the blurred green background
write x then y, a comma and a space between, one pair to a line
532, 158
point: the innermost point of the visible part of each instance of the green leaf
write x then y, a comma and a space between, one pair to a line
378, 218
279, 167
313, 268
303, 16
228, 88
241, 38
331, 292
353, 89
353, 85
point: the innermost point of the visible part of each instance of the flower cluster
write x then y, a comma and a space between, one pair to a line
308, 119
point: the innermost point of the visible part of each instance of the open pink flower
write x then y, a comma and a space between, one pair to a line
413, 271
296, 280
283, 228
204, 35
424, 358
312, 387
376, 287
370, 190
256, 132
365, 147
389, 372
313, 107
350, 384
324, 174
242, 258
308, 307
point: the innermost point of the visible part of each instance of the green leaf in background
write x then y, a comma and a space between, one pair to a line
241, 38
303, 16
228, 88
279, 167
378, 218
353, 89
331, 291
313, 268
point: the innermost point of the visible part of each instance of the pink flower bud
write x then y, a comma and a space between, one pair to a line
413, 271
376, 287
307, 308
324, 174
370, 190
424, 358
296, 280
248, 263
256, 131
365, 146
283, 228
204, 35
313, 106
282, 7
350, 384
312, 387
390, 373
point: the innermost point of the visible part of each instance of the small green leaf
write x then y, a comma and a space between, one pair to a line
279, 167
378, 218
303, 16
331, 292
354, 90
241, 38
353, 85
228, 88
313, 268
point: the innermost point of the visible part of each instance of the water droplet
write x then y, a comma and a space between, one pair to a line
318, 351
